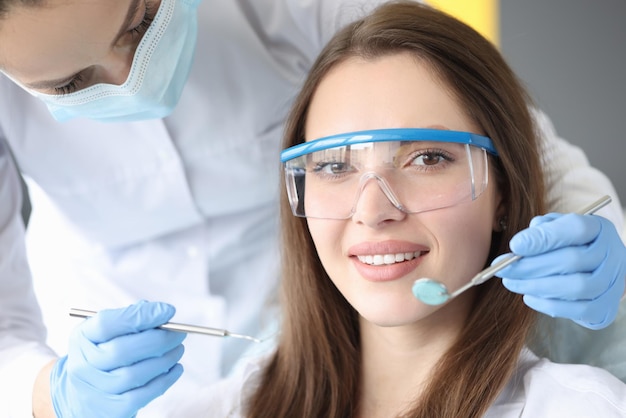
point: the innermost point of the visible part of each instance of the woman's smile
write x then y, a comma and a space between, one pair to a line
388, 260
380, 259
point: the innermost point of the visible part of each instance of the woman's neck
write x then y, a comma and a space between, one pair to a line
397, 362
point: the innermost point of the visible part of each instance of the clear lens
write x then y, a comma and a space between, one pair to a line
416, 176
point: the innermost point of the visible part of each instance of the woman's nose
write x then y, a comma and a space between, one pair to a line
376, 204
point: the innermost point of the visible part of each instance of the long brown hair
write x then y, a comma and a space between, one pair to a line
315, 371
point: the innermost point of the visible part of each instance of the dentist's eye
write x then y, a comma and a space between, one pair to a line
71, 86
142, 27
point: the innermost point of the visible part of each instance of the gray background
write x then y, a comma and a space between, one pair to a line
572, 56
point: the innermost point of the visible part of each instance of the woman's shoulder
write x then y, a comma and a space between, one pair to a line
543, 388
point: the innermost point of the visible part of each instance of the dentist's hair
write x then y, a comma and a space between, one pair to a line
315, 371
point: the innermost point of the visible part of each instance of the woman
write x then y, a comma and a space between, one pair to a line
415, 94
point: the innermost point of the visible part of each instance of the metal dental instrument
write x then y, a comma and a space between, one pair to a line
433, 292
173, 326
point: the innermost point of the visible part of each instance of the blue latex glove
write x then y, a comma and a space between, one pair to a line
574, 267
117, 363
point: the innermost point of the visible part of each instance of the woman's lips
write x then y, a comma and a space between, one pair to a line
385, 261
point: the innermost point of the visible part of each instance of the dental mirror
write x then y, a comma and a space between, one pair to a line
433, 292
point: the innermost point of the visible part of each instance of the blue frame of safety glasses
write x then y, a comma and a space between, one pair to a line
386, 135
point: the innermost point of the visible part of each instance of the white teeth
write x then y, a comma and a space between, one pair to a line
380, 259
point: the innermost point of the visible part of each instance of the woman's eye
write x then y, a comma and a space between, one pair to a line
428, 159
431, 158
331, 168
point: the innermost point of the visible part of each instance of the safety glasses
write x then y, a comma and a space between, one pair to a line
417, 169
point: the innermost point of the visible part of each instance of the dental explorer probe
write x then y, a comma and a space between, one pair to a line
173, 326
433, 292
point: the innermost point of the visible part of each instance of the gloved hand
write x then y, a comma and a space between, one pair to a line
117, 363
574, 267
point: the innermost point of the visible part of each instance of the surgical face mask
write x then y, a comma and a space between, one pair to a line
156, 79
417, 170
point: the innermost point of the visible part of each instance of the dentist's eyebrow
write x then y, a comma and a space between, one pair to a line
52, 84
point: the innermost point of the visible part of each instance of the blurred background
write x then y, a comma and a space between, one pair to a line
572, 56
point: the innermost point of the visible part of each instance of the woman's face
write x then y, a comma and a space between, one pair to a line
66, 45
452, 244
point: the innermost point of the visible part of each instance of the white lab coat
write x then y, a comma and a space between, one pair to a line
538, 388
181, 210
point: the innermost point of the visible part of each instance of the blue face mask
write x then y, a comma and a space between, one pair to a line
157, 76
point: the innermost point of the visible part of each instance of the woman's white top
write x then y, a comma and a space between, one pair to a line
539, 388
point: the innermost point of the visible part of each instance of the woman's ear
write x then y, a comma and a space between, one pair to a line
500, 219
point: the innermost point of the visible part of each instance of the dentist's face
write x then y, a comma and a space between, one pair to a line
450, 245
60, 46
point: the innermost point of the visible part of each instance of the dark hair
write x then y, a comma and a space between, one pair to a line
315, 371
